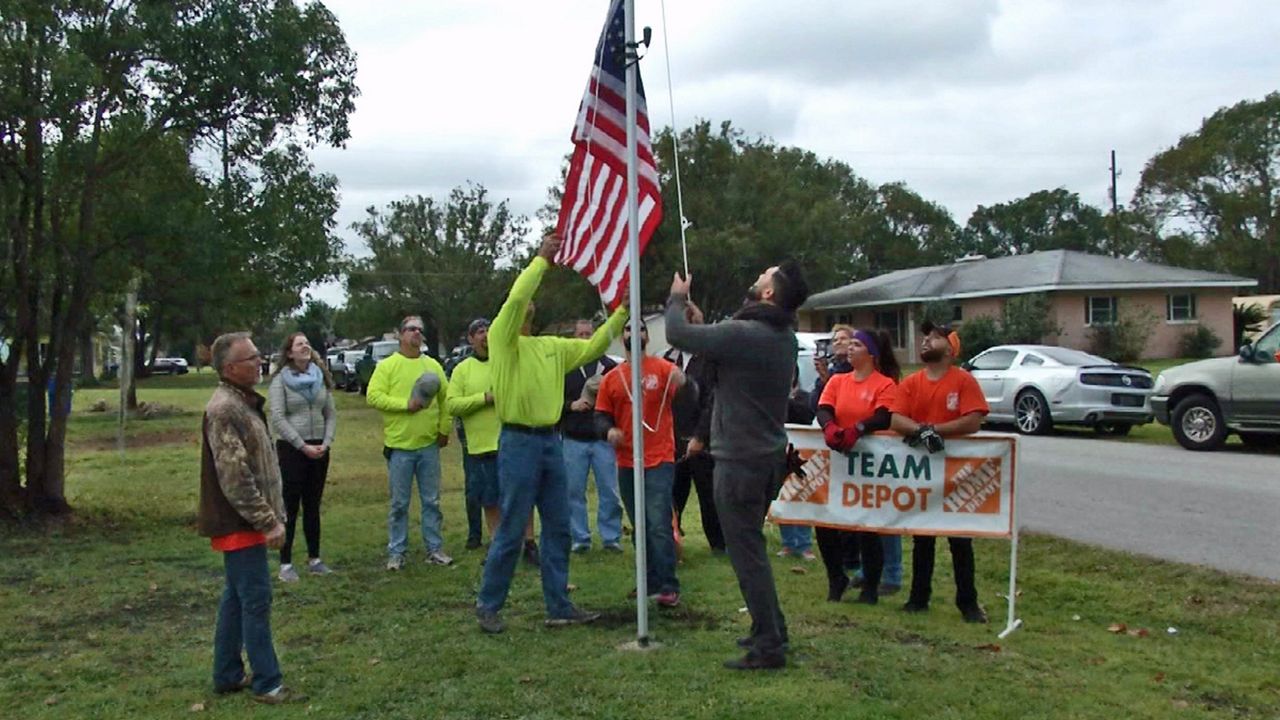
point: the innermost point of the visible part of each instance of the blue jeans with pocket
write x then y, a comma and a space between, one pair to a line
660, 543
244, 623
402, 467
598, 457
530, 473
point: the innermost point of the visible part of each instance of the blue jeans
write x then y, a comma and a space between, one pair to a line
597, 456
530, 472
658, 533
402, 467
796, 538
892, 545
244, 623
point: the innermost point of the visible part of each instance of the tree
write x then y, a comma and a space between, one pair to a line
88, 88
448, 262
316, 322
906, 231
1219, 189
1043, 220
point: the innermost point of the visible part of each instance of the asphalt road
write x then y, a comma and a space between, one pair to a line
1219, 509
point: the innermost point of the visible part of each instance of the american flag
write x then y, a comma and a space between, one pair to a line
593, 212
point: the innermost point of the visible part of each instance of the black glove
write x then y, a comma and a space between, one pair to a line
932, 441
795, 464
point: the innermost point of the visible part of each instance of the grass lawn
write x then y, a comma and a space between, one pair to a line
112, 614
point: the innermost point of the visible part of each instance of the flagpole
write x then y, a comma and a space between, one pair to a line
637, 394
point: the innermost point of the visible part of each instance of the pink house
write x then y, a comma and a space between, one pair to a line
1084, 290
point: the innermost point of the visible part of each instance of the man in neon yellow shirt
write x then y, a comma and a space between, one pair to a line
413, 431
528, 387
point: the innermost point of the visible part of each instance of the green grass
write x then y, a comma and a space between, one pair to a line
111, 616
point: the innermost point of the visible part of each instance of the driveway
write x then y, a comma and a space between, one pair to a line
1218, 509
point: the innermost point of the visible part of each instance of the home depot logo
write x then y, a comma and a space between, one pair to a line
814, 486
972, 485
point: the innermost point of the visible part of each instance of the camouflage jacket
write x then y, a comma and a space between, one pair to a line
239, 470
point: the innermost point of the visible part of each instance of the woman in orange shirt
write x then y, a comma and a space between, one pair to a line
852, 405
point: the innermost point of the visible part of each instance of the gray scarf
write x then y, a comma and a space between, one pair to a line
307, 384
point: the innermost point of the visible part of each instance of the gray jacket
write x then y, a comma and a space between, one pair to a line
754, 362
295, 420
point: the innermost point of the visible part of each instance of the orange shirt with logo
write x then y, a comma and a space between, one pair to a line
932, 402
856, 400
658, 389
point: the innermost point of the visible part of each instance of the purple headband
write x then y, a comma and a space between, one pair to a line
866, 339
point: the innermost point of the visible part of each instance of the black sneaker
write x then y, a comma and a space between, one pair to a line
577, 617
473, 543
245, 683
915, 606
489, 621
974, 614
752, 661
867, 597
531, 553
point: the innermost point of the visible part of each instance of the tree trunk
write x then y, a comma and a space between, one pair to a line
11, 495
88, 366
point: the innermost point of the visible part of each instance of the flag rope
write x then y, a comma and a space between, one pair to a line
675, 140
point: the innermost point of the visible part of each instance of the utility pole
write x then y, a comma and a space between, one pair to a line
1115, 209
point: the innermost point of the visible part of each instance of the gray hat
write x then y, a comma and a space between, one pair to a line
426, 387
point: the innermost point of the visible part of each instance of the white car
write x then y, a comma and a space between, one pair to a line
169, 366
1037, 386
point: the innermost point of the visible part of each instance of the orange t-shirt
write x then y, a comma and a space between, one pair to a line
931, 402
856, 400
658, 389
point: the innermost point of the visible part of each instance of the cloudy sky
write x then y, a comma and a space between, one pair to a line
970, 102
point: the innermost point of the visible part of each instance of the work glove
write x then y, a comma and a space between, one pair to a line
848, 438
833, 434
928, 437
795, 463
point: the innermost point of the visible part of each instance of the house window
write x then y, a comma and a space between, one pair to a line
957, 313
1100, 310
1180, 308
841, 319
891, 321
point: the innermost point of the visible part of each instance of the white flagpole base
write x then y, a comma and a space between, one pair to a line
1011, 627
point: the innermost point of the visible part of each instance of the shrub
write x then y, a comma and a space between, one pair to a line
978, 334
1026, 320
1125, 339
1199, 342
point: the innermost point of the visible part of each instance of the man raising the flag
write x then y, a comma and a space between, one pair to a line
528, 389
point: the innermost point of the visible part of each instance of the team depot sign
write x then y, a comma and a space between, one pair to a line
884, 485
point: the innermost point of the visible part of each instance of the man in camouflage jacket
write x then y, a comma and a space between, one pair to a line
242, 512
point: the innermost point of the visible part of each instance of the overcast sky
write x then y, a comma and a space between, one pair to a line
970, 102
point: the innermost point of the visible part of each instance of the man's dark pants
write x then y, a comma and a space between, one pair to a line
244, 623
922, 553
696, 472
742, 492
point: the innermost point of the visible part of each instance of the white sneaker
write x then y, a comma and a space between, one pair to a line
437, 557
395, 562
316, 566
288, 574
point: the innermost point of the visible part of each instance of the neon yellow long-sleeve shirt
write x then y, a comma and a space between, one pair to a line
528, 372
471, 379
389, 391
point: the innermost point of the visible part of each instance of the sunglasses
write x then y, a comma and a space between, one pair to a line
412, 328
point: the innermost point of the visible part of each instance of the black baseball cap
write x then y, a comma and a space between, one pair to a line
928, 326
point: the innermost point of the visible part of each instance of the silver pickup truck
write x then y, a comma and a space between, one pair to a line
1204, 401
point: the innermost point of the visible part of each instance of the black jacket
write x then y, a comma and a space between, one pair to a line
581, 425
691, 408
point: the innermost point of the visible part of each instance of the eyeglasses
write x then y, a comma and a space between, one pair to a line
412, 328
255, 356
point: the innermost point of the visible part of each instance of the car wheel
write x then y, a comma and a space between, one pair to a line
1031, 413
1113, 429
1197, 423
